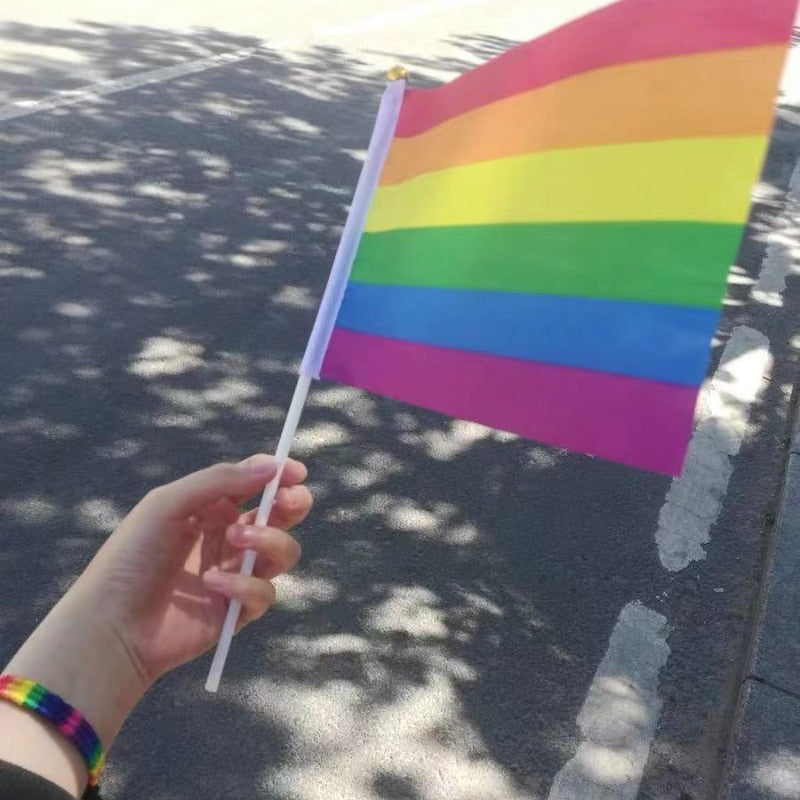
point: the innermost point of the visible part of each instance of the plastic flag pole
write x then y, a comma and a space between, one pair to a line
382, 135
264, 507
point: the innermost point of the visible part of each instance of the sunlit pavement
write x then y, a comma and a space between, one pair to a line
476, 616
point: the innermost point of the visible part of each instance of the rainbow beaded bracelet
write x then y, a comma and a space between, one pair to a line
70, 722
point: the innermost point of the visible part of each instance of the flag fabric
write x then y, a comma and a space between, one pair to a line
548, 245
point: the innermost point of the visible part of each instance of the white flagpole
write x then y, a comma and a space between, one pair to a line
382, 136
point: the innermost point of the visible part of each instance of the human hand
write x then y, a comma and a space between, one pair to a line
164, 577
155, 595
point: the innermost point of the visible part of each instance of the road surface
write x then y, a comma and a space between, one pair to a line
476, 616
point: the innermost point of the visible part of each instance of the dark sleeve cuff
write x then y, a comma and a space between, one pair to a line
17, 783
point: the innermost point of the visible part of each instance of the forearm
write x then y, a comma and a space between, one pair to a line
144, 606
75, 654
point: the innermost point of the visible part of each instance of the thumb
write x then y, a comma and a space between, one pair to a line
199, 489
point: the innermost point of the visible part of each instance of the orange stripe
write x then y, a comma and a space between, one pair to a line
712, 94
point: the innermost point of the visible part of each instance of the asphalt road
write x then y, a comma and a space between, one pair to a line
476, 616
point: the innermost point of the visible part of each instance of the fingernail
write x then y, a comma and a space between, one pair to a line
239, 535
302, 467
215, 579
259, 464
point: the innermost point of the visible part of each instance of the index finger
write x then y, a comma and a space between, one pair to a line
236, 481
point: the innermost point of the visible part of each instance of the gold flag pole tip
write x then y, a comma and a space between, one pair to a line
397, 73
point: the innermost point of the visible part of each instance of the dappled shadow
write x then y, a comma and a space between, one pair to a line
716, 619
778, 774
56, 59
162, 254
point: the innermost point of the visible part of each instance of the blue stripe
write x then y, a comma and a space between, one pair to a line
644, 340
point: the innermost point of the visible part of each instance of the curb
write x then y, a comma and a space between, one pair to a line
765, 763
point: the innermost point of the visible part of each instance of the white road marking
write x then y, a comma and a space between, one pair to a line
23, 108
695, 498
618, 719
69, 97
781, 247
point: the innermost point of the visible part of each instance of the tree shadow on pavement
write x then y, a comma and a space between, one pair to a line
162, 253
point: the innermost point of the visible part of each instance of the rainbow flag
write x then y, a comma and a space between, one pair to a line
547, 246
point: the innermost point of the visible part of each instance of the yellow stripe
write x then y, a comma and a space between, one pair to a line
676, 179
722, 93
17, 692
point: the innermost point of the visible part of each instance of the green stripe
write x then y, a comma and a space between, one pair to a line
34, 696
681, 263
96, 755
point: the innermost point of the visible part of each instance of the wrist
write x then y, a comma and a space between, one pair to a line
77, 654
33, 743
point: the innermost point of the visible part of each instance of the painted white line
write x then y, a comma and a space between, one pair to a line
781, 249
23, 108
695, 498
619, 717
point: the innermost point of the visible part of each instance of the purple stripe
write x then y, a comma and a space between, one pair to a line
642, 423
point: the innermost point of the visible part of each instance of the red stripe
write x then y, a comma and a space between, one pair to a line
631, 30
643, 423
70, 724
